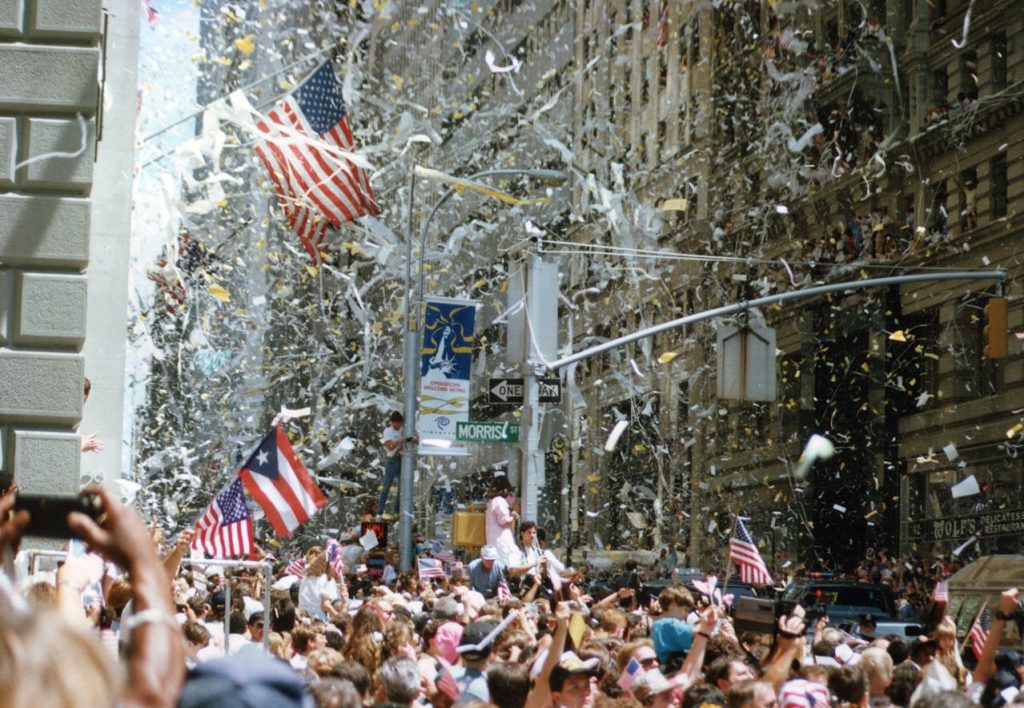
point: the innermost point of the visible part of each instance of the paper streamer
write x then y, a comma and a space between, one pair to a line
613, 437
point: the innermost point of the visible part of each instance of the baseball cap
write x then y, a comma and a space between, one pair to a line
569, 665
243, 681
489, 553
472, 639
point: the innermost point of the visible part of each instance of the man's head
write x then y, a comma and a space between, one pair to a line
849, 684
725, 671
877, 665
196, 636
488, 554
400, 680
304, 639
528, 534
396, 420
256, 626
922, 651
508, 684
752, 694
675, 602
868, 625
572, 681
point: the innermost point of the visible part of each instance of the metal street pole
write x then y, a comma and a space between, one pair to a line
410, 361
411, 340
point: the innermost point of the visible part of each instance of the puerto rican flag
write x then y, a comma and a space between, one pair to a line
279, 483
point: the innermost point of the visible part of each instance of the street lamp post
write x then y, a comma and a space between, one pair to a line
411, 337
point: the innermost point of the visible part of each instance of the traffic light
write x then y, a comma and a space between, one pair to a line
995, 328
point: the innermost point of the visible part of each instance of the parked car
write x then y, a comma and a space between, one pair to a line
840, 600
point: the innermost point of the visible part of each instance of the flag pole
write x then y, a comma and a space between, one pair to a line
728, 553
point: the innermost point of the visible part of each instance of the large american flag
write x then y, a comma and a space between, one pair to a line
979, 631
225, 530
743, 551
306, 134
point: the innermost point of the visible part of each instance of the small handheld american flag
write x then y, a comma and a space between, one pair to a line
979, 631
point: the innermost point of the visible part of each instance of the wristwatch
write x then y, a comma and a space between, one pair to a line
1000, 615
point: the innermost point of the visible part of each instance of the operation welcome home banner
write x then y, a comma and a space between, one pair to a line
446, 355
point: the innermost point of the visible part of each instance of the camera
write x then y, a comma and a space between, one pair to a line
48, 514
754, 614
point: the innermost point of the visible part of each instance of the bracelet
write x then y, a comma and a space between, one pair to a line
77, 588
789, 635
704, 634
147, 617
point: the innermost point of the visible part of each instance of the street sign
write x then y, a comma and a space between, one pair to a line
486, 431
550, 391
505, 391
511, 391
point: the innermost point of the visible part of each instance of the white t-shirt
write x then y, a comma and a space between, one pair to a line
391, 435
312, 590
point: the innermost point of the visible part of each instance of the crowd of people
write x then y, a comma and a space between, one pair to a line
513, 627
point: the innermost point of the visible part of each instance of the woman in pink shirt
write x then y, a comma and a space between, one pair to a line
501, 519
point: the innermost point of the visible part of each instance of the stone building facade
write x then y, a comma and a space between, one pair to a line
67, 111
916, 163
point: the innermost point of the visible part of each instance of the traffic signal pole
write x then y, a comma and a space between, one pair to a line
998, 275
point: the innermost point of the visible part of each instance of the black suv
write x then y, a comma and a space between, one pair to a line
840, 600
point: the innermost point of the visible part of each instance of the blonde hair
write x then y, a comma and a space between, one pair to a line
47, 662
316, 562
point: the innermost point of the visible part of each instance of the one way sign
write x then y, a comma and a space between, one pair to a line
511, 391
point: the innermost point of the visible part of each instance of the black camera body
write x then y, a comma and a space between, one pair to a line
48, 514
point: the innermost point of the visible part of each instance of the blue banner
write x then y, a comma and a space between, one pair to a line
446, 356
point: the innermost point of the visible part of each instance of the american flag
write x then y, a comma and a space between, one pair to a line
445, 556
225, 530
333, 549
306, 135
743, 551
429, 568
297, 568
280, 484
504, 594
941, 592
629, 674
979, 631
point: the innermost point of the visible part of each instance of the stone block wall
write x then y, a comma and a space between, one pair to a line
50, 60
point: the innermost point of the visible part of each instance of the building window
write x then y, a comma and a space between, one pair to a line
938, 217
997, 185
968, 199
940, 87
999, 75
969, 74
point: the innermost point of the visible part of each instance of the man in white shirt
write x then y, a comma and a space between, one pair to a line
394, 450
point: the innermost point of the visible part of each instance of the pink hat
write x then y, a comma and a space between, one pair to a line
447, 638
